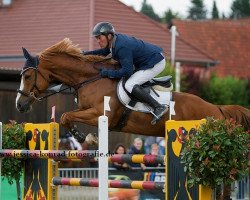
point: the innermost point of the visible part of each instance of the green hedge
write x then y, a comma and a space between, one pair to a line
13, 138
227, 91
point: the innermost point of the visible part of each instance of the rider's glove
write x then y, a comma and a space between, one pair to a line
104, 72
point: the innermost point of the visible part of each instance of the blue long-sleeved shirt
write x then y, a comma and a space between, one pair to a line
133, 54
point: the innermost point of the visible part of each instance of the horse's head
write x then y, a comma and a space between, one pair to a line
62, 62
33, 82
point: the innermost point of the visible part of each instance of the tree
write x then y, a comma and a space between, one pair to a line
169, 15
240, 9
215, 12
197, 10
223, 16
148, 10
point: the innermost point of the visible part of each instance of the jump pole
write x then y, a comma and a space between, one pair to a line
103, 157
103, 152
141, 185
78, 155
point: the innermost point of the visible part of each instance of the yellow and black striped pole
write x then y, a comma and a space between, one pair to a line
142, 185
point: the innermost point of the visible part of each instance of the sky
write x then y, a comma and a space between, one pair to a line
181, 6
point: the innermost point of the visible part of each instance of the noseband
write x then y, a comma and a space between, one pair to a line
34, 86
76, 86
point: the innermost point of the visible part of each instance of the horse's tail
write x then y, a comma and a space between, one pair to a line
240, 114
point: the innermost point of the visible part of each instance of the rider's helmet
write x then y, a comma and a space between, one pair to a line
103, 28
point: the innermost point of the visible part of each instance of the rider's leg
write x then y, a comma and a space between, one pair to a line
142, 76
140, 94
132, 85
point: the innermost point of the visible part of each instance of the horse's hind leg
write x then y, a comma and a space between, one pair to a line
67, 120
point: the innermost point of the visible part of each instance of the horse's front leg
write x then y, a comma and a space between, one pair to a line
88, 116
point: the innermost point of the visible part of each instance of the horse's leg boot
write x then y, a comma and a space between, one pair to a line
78, 136
159, 110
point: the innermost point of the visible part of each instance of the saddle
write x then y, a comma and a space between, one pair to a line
159, 88
159, 84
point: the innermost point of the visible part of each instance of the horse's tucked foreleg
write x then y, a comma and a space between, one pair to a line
85, 116
65, 121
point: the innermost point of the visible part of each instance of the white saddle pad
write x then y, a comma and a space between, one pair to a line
164, 98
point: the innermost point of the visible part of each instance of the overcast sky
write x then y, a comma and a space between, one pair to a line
181, 6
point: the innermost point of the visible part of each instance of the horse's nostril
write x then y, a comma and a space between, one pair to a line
18, 105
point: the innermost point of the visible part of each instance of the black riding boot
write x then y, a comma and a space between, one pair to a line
141, 95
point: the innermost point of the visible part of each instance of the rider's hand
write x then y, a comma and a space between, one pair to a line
104, 72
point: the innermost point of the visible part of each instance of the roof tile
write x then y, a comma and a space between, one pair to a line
37, 25
225, 40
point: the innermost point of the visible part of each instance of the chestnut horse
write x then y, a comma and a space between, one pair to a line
65, 63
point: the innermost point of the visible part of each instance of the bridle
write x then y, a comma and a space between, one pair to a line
34, 86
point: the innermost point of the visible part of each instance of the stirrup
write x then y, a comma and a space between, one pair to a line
157, 118
153, 122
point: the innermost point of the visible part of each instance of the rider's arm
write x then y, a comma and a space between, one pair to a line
101, 52
126, 61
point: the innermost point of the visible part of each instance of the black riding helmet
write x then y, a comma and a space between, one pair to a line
103, 28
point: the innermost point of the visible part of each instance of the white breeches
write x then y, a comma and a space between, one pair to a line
142, 76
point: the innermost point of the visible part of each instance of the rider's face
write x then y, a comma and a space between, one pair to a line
102, 41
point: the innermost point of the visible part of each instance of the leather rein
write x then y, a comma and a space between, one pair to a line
77, 86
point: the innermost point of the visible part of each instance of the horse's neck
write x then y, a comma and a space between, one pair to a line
71, 72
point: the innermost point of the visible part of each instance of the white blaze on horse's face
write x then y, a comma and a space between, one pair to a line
23, 100
19, 94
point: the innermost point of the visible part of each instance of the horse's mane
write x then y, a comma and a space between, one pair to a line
66, 46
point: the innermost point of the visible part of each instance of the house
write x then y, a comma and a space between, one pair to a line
227, 41
37, 25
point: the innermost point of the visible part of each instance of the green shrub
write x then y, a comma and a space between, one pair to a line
13, 138
226, 91
217, 154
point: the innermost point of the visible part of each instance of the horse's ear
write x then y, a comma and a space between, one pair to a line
26, 53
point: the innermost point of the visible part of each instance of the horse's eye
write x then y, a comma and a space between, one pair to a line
27, 77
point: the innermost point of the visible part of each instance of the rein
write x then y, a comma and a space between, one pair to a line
32, 94
99, 69
78, 85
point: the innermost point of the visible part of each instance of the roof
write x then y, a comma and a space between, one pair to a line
36, 25
225, 40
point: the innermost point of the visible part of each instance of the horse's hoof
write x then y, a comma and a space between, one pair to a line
92, 139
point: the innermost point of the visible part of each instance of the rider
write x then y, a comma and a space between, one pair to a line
140, 62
